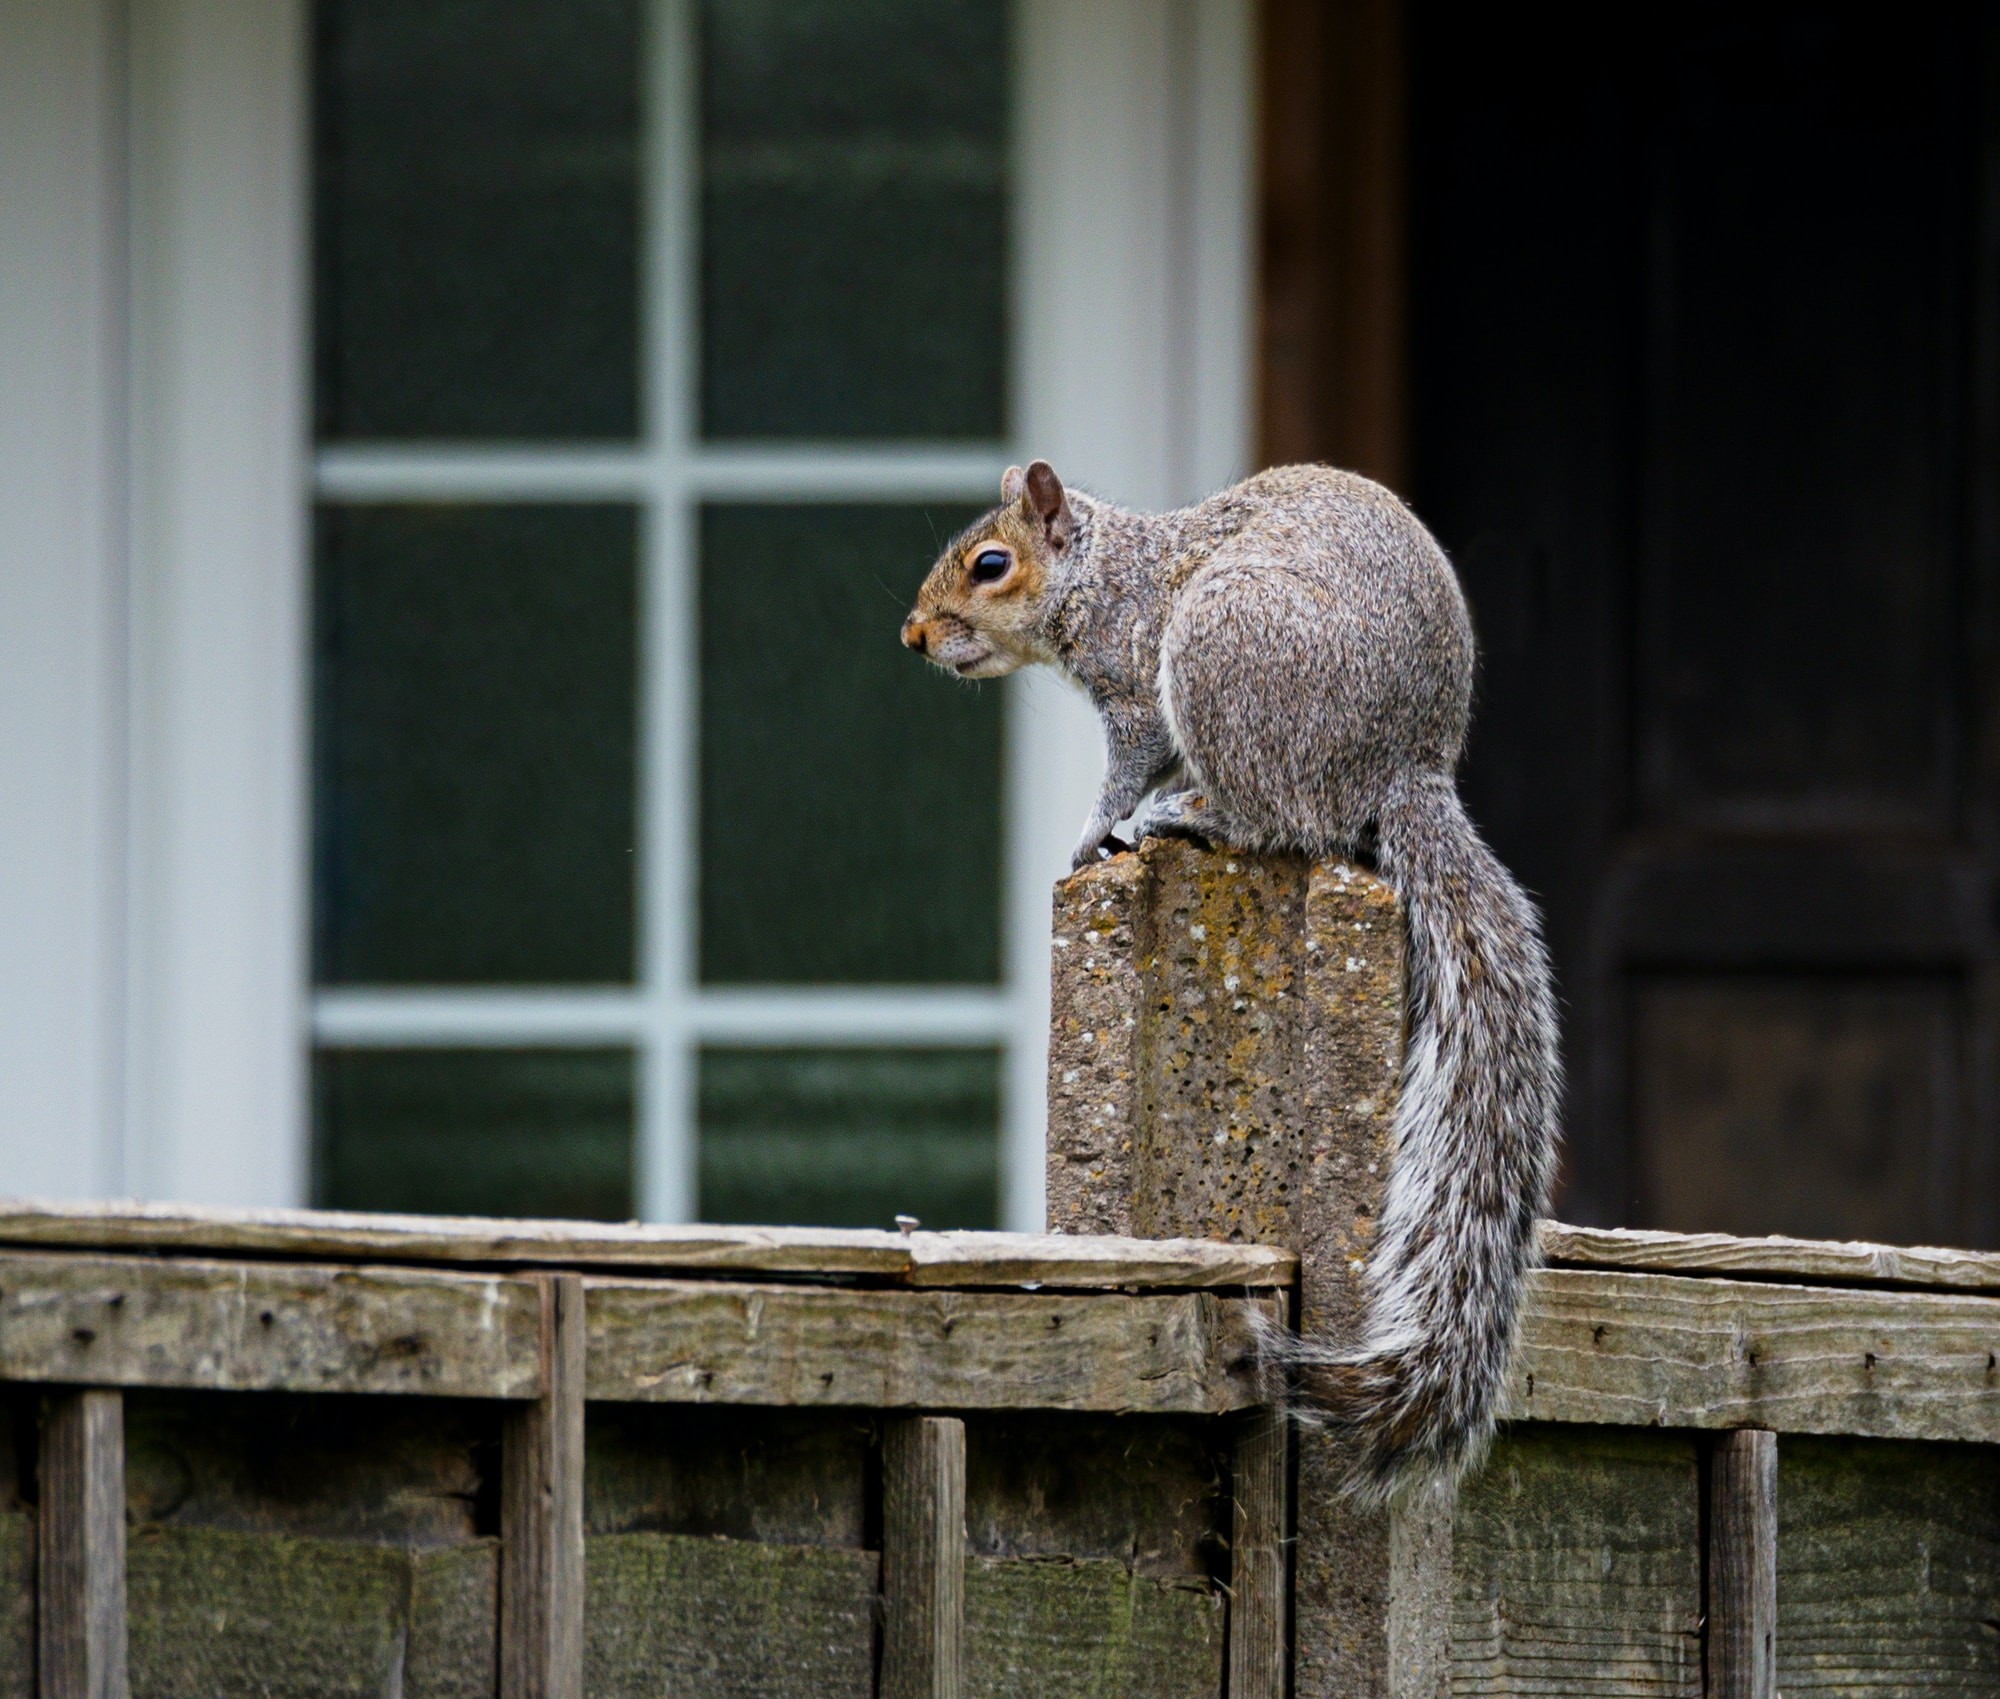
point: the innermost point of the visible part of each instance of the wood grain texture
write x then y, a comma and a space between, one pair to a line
921, 1258
923, 1558
727, 1619
1742, 1565
82, 1319
793, 1477
1146, 1490
1671, 1351
1259, 1596
17, 1605
1088, 1630
81, 1645
541, 1511
1888, 1570
396, 1471
220, 1612
1820, 1261
1577, 1560
695, 1342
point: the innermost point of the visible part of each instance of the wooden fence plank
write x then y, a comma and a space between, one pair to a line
921, 1258
1578, 1568
696, 1342
1825, 1262
17, 1604
82, 1585
541, 1512
1888, 1570
923, 1558
1259, 1590
90, 1320
1742, 1565
1666, 1351
728, 1619
1088, 1630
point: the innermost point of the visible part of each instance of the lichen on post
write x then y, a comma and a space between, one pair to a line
1225, 1051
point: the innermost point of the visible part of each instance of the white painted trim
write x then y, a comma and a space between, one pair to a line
557, 472
1135, 228
665, 1159
61, 597
948, 1014
215, 1103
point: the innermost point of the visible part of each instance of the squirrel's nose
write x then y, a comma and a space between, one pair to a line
915, 635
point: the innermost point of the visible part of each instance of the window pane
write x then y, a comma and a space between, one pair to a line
474, 1132
475, 744
850, 1138
854, 218
850, 795
476, 241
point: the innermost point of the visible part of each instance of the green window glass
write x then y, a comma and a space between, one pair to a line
616, 756
475, 681
853, 218
850, 798
476, 235
475, 1132
850, 1137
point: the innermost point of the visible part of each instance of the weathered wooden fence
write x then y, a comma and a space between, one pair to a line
1727, 1461
316, 1455
300, 1455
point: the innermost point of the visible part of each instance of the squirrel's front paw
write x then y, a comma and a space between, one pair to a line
1173, 814
1095, 849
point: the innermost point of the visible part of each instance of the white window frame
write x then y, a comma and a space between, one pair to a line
1132, 319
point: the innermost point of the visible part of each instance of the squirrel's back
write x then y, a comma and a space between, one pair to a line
1317, 673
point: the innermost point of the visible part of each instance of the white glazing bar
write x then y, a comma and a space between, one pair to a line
560, 472
480, 1017
446, 472
666, 1156
815, 472
484, 1017
929, 1014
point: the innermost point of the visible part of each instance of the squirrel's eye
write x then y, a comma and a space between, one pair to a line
990, 565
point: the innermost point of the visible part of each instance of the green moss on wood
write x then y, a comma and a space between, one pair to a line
17, 1605
214, 1612
1888, 1569
727, 1619
1051, 1629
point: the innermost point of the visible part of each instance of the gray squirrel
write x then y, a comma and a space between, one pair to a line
1287, 665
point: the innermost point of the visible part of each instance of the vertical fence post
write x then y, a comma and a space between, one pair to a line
541, 1512
81, 1590
1743, 1565
923, 1558
1225, 1055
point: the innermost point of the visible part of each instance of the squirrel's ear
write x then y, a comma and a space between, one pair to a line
1050, 505
1011, 482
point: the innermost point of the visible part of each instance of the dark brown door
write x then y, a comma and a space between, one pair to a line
1702, 391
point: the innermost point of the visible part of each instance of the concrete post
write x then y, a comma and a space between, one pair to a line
1225, 1050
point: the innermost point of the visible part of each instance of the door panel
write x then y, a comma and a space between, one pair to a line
1701, 344
1819, 1106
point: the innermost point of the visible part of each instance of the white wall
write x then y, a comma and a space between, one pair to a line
61, 598
1135, 189
215, 1085
152, 465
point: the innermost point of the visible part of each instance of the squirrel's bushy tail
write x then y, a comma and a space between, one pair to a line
1474, 1155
